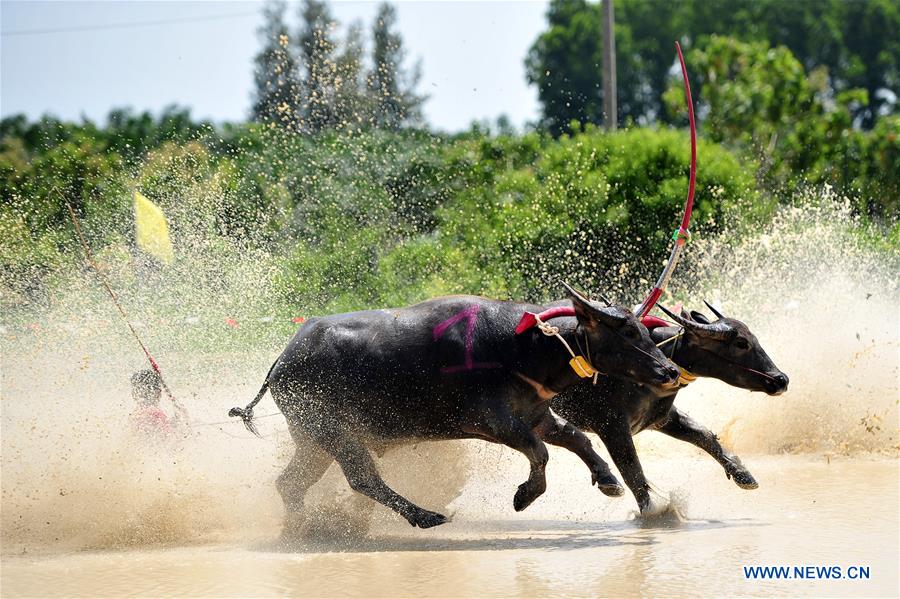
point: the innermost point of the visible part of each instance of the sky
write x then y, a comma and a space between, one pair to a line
75, 58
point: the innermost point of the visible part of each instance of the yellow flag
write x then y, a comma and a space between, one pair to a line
150, 229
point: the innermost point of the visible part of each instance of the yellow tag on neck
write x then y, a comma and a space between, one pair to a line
581, 367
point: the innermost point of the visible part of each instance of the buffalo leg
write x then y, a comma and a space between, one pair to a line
616, 435
557, 431
500, 426
361, 473
684, 428
305, 469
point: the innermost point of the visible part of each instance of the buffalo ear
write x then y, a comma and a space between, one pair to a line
688, 322
584, 311
699, 317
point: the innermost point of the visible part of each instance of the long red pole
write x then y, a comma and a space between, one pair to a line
681, 235
106, 285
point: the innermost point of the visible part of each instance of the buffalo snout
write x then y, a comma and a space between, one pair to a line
778, 384
669, 376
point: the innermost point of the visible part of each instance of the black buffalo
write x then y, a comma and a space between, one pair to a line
617, 409
447, 368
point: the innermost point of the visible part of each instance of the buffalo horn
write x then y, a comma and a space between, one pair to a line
714, 311
605, 299
682, 321
715, 330
574, 293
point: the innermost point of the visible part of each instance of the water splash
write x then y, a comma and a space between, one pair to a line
820, 296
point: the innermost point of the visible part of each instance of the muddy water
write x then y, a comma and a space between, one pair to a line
807, 512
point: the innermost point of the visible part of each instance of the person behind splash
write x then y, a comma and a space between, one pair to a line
148, 420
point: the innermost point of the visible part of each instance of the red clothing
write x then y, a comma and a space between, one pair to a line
151, 421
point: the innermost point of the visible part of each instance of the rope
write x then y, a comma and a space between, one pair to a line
233, 436
580, 364
672, 338
219, 427
552, 331
685, 377
236, 421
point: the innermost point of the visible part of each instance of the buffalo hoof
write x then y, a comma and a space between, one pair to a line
743, 479
609, 485
526, 494
643, 503
655, 505
426, 519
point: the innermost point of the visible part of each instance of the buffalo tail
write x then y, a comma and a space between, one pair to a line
246, 413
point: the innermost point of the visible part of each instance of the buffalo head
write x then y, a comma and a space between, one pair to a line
726, 349
619, 345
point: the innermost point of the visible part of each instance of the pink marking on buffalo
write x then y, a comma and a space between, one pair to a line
470, 314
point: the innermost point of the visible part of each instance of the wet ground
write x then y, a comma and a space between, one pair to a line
809, 511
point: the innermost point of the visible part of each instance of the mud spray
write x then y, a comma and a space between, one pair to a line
822, 301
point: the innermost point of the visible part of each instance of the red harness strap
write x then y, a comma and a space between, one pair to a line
652, 322
528, 319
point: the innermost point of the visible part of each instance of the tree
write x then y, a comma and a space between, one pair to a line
748, 91
761, 99
871, 57
131, 134
276, 97
646, 30
319, 67
392, 88
351, 98
565, 62
854, 39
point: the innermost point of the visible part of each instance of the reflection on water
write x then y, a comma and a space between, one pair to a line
807, 512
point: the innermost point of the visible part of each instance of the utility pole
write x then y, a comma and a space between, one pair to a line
609, 65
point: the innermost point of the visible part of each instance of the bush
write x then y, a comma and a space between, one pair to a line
594, 208
344, 221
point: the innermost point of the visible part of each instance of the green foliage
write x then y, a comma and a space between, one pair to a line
132, 135
589, 208
276, 71
390, 86
36, 182
345, 220
565, 64
79, 170
854, 41
751, 91
877, 176
341, 202
762, 101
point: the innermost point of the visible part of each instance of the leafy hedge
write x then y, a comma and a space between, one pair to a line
592, 207
340, 222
